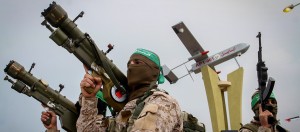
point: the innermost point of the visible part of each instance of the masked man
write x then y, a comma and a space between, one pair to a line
160, 111
264, 120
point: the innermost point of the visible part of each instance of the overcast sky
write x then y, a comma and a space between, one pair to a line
131, 24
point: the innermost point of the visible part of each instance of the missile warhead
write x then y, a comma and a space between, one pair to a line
289, 119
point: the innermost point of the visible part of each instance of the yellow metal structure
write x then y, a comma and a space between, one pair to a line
234, 93
215, 89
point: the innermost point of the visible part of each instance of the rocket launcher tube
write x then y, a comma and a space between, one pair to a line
69, 36
39, 90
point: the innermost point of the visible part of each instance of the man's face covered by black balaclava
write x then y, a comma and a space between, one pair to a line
140, 75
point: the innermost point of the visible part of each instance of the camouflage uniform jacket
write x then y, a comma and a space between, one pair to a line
255, 126
161, 113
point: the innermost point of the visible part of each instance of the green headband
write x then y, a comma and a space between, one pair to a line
154, 58
256, 98
99, 95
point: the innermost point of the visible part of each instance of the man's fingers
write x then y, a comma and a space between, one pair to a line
43, 119
88, 76
44, 116
98, 80
86, 83
98, 83
89, 82
51, 113
268, 113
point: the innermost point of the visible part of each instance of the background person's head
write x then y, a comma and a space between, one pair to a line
270, 104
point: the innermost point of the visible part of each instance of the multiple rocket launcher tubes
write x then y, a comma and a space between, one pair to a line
65, 33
